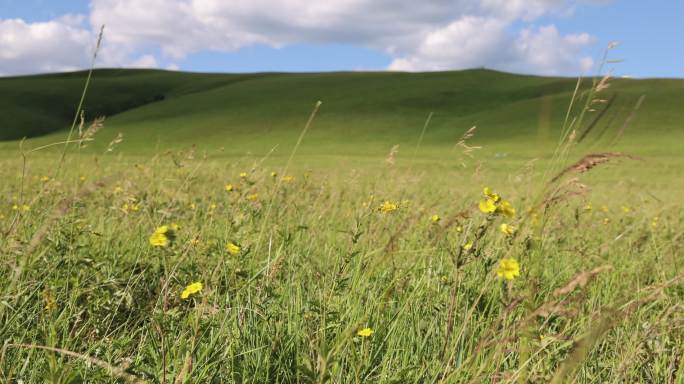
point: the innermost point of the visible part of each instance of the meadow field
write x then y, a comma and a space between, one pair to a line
450, 227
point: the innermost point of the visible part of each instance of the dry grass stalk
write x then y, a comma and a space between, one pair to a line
391, 157
570, 189
581, 280
592, 160
601, 113
467, 149
89, 134
117, 140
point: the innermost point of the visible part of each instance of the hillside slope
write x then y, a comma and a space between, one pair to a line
362, 112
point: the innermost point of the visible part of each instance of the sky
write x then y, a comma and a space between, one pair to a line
544, 37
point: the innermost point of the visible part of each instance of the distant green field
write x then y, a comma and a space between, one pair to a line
362, 113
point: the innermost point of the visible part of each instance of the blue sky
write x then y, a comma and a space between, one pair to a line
538, 36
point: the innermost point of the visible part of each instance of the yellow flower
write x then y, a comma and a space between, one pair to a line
509, 269
606, 220
164, 235
274, 174
193, 206
82, 178
118, 189
243, 175
229, 187
23, 207
459, 229
388, 207
467, 246
435, 218
159, 240
366, 332
604, 209
626, 209
490, 194
191, 290
654, 222
253, 197
45, 179
233, 248
506, 208
487, 206
588, 207
288, 178
194, 241
507, 229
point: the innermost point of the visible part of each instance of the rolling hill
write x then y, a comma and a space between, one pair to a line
362, 113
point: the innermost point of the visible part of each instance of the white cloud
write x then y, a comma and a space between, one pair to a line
472, 42
56, 45
417, 35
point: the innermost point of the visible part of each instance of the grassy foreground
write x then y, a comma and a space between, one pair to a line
344, 276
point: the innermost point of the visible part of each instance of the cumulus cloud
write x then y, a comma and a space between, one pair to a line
56, 45
472, 42
416, 35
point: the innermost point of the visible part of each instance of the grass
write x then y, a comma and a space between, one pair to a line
88, 298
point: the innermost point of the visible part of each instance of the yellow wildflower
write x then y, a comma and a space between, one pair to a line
366, 332
164, 235
253, 197
604, 209
588, 207
459, 229
467, 246
191, 290
159, 240
388, 207
45, 179
243, 175
490, 194
435, 218
626, 209
487, 206
288, 178
274, 174
508, 268
506, 208
506, 229
23, 207
229, 187
233, 248
654, 222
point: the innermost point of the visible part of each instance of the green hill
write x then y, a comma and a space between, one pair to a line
362, 113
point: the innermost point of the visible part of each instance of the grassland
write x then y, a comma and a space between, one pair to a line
343, 237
